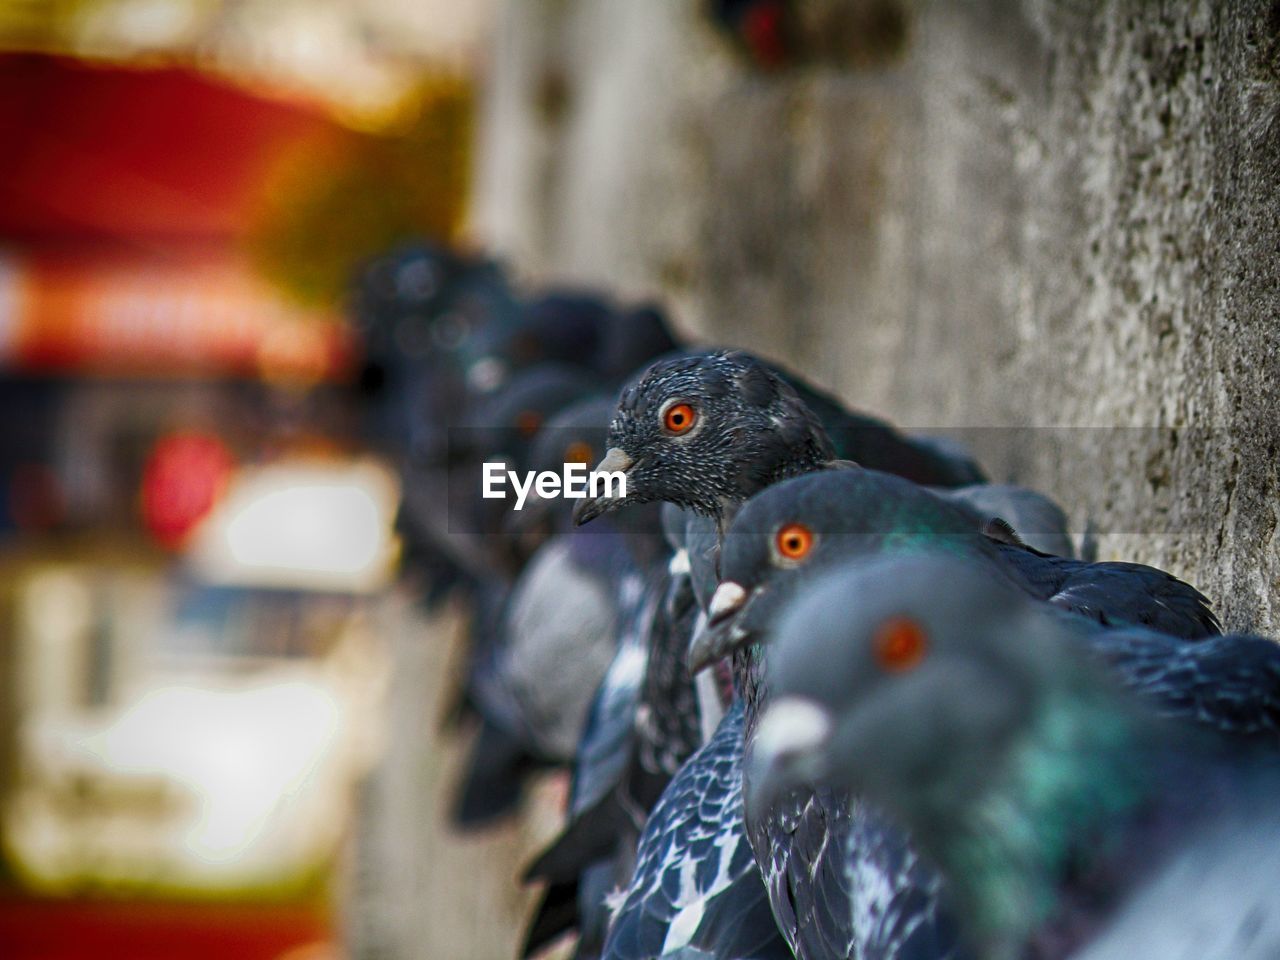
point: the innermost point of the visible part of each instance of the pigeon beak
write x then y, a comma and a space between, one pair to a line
726, 601
616, 460
721, 632
787, 750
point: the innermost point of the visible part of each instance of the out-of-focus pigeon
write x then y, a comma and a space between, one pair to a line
415, 310
763, 29
579, 328
643, 722
540, 644
1069, 817
596, 852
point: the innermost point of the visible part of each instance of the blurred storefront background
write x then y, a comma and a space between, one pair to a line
192, 669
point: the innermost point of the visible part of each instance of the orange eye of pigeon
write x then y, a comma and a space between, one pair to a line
528, 422
900, 645
679, 418
795, 540
579, 452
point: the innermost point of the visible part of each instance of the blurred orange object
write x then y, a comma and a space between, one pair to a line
156, 154
190, 313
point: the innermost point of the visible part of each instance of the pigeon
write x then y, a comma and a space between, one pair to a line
543, 629
1071, 817
667, 735
578, 328
500, 428
661, 739
763, 29
414, 309
615, 784
809, 523
596, 851
705, 431
778, 541
560, 635
678, 903
643, 722
696, 891
615, 779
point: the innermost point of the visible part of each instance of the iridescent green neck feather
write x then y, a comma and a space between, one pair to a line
1068, 786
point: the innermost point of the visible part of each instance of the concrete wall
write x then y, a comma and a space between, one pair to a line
413, 888
1027, 215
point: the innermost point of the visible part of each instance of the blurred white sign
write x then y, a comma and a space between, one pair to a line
302, 526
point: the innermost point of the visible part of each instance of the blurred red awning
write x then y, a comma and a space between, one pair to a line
139, 153
125, 197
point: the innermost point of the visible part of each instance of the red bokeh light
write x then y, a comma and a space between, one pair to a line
183, 478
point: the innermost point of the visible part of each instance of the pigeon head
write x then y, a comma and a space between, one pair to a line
706, 432
786, 535
574, 435
874, 666
409, 280
636, 338
503, 428
968, 712
506, 424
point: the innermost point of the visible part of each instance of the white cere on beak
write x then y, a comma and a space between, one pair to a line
791, 726
615, 460
729, 596
679, 564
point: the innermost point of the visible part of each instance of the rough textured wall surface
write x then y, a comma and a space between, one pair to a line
1055, 225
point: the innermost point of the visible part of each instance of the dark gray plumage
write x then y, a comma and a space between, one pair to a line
644, 721
561, 628
596, 851
1035, 520
530, 706
696, 891
642, 727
